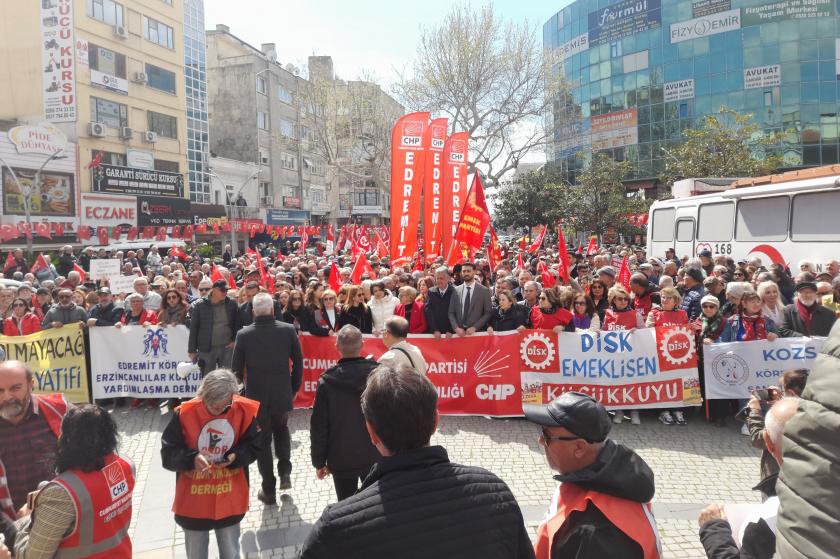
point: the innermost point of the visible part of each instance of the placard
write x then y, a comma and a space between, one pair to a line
679, 90
705, 26
762, 76
735, 370
121, 284
57, 61
104, 268
623, 19
787, 9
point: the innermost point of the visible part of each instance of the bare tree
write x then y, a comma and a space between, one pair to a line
491, 79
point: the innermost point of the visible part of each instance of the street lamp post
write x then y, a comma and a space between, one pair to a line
26, 192
229, 205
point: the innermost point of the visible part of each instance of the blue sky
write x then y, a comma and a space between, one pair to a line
378, 36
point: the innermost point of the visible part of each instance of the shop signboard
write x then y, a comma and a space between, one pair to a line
623, 19
762, 76
570, 48
144, 182
285, 217
154, 210
572, 138
57, 61
786, 9
705, 26
105, 210
679, 90
616, 129
700, 8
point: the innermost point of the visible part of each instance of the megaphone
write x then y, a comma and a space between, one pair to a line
186, 368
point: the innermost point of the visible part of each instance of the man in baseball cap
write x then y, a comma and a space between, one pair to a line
602, 506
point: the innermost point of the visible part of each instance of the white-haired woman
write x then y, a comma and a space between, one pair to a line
211, 488
771, 301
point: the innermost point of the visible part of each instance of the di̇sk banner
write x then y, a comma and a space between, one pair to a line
494, 374
56, 357
735, 370
140, 362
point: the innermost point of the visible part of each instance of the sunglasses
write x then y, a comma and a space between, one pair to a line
19, 305
621, 298
736, 274
203, 289
582, 303
707, 306
172, 298
328, 298
548, 438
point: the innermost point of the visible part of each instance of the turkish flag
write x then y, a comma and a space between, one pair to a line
148, 232
335, 278
548, 279
564, 256
43, 230
494, 253
215, 274
59, 229
178, 253
201, 228
362, 266
535, 246
81, 271
592, 248
39, 264
82, 233
624, 274
116, 232
102, 233
161, 234
10, 262
520, 263
176, 231
132, 233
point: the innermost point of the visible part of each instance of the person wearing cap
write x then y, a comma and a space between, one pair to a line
693, 282
708, 327
213, 328
806, 316
601, 508
706, 261
645, 295
105, 312
607, 275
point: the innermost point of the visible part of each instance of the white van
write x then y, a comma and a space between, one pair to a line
779, 218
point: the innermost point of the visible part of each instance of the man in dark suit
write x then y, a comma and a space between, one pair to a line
245, 313
470, 308
806, 316
437, 304
264, 350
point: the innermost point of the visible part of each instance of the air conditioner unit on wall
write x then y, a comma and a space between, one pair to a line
121, 32
126, 133
267, 201
96, 129
140, 77
150, 137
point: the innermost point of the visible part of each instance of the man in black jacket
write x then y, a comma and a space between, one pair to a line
806, 316
105, 312
212, 321
340, 443
437, 306
264, 350
415, 502
245, 313
596, 475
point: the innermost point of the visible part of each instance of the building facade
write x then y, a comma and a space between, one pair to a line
195, 84
643, 71
108, 75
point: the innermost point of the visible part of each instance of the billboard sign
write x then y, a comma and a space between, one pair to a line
700, 8
679, 90
762, 76
705, 26
614, 130
152, 210
623, 19
572, 138
144, 182
57, 60
570, 48
786, 9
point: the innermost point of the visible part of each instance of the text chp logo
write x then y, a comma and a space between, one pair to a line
412, 132
114, 476
438, 136
677, 346
215, 439
457, 151
537, 351
730, 369
154, 343
494, 391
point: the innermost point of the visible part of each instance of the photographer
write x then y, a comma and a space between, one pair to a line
791, 384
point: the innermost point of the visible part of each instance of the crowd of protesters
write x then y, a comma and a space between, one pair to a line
324, 294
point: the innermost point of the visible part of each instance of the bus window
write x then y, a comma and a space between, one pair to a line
762, 219
716, 222
815, 217
685, 230
663, 224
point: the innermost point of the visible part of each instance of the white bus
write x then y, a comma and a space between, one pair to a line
779, 218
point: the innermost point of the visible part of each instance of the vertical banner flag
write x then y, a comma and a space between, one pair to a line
407, 163
454, 179
563, 255
433, 142
592, 247
494, 253
475, 217
535, 246
624, 274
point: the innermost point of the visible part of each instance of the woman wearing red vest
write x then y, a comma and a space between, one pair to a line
86, 509
620, 315
669, 314
550, 312
210, 442
21, 321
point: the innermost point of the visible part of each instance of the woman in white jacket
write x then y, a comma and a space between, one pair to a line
382, 305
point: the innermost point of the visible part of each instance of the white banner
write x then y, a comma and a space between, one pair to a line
762, 76
57, 61
575, 46
679, 90
140, 362
735, 370
705, 26
121, 284
104, 268
645, 368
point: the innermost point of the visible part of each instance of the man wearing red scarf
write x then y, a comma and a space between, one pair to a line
805, 316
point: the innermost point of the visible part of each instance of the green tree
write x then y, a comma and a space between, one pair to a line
725, 145
599, 202
533, 199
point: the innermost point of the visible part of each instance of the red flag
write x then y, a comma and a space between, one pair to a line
148, 232
116, 231
304, 240
43, 230
381, 248
592, 248
564, 256
418, 264
216, 230
215, 274
102, 233
26, 229
494, 252
177, 253
231, 281
535, 246
408, 158
95, 162
39, 264
82, 233
161, 234
364, 240
362, 266
475, 218
201, 228
10, 262
433, 142
548, 279
59, 229
81, 271
455, 156
176, 232
624, 274
342, 239
520, 263
132, 233
335, 278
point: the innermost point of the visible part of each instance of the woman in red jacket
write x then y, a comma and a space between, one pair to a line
620, 315
136, 314
412, 310
21, 321
550, 313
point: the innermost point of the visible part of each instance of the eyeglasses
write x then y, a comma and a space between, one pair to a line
582, 303
203, 289
548, 438
708, 306
172, 298
737, 274
328, 298
543, 298
19, 305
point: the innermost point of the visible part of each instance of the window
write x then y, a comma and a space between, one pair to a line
288, 161
106, 11
168, 166
287, 128
683, 110
165, 125
158, 33
109, 157
160, 79
261, 85
108, 113
762, 219
106, 61
663, 225
262, 120
815, 217
685, 230
285, 95
716, 222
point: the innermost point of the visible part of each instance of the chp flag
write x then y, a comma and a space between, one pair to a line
433, 142
455, 157
407, 165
